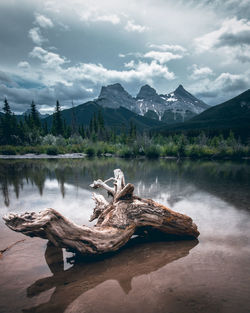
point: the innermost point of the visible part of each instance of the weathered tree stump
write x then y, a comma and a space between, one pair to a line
117, 221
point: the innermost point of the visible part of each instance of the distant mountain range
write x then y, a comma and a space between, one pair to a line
177, 106
147, 110
27, 112
116, 118
232, 115
178, 111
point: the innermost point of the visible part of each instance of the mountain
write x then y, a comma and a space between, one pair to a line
148, 109
174, 107
20, 117
233, 114
116, 118
115, 96
27, 112
148, 101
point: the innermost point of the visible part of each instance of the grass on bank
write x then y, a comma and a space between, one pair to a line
136, 149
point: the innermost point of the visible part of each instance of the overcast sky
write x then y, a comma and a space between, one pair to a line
68, 49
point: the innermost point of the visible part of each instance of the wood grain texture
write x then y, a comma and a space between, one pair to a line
117, 221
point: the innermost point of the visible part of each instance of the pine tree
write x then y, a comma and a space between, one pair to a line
82, 131
74, 121
65, 130
95, 124
132, 130
100, 120
57, 123
6, 109
45, 128
34, 116
91, 125
9, 126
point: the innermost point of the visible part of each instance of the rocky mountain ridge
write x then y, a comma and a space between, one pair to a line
174, 107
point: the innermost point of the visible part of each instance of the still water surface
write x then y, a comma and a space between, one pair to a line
209, 275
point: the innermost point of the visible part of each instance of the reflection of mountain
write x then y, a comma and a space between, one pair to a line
139, 259
227, 180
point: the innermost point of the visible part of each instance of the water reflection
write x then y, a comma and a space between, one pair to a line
134, 260
214, 277
226, 180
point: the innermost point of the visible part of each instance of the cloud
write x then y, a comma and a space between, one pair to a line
24, 65
19, 98
130, 64
98, 74
35, 32
231, 82
162, 57
93, 15
233, 38
225, 85
166, 47
59, 79
114, 19
159, 56
167, 52
5, 78
233, 32
137, 55
36, 36
43, 21
243, 55
87, 53
200, 72
49, 59
236, 7
132, 27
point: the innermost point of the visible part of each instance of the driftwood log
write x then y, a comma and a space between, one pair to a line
117, 221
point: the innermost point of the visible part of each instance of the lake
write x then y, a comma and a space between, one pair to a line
211, 274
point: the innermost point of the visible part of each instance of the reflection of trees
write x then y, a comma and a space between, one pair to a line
17, 173
227, 180
138, 260
5, 191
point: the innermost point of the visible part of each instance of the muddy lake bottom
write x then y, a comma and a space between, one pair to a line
211, 274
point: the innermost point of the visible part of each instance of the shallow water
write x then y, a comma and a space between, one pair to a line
209, 275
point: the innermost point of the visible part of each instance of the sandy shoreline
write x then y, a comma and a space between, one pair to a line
83, 155
45, 156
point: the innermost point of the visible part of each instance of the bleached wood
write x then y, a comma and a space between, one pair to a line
117, 221
99, 183
101, 204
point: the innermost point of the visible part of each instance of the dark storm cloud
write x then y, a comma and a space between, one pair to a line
226, 8
5, 78
222, 88
241, 38
20, 98
15, 22
67, 50
207, 94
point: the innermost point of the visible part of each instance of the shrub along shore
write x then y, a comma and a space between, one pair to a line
174, 146
31, 135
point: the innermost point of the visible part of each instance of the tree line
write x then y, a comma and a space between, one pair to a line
31, 129
31, 134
